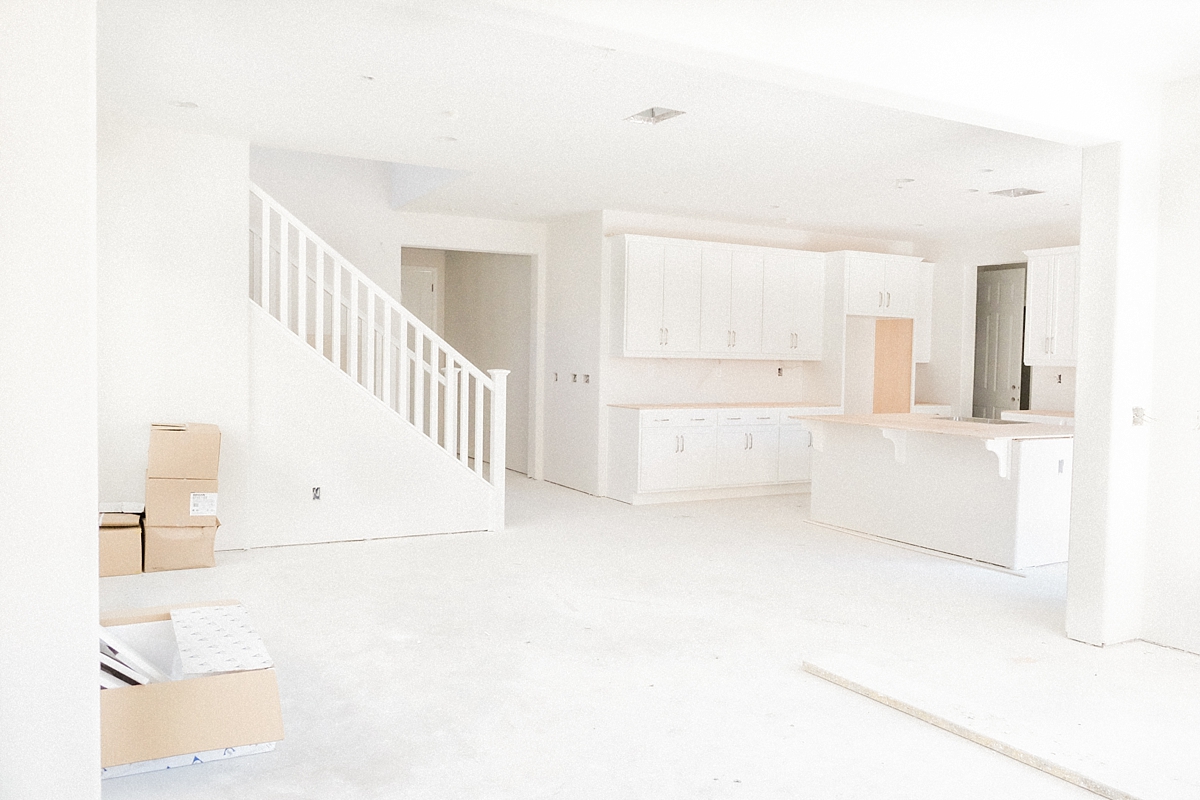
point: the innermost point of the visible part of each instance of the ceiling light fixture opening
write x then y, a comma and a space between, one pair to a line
445, 139
1018, 192
654, 115
183, 104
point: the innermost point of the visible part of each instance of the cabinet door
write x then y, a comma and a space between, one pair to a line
900, 289
747, 455
1038, 298
795, 454
681, 298
1062, 329
865, 281
923, 318
676, 458
793, 305
644, 296
716, 271
746, 302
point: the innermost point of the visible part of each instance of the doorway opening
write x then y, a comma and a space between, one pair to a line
482, 305
1001, 377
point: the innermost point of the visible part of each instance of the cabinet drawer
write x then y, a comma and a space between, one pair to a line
678, 418
748, 416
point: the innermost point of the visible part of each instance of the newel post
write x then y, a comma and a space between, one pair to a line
496, 472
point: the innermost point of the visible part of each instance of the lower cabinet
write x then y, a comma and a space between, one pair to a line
661, 454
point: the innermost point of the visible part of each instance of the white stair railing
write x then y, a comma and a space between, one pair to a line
339, 312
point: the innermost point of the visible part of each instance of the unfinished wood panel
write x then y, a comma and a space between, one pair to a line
893, 366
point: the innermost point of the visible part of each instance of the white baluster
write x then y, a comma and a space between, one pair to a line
479, 425
419, 379
405, 367
266, 256
435, 385
285, 267
369, 330
464, 415
337, 315
452, 378
496, 471
355, 340
388, 399
319, 311
302, 286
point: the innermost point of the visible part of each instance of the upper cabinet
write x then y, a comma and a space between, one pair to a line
662, 296
1051, 306
879, 285
687, 299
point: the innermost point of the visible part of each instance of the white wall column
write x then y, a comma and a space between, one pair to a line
49, 696
1172, 613
1118, 241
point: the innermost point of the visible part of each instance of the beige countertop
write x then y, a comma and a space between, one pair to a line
1033, 412
660, 406
923, 423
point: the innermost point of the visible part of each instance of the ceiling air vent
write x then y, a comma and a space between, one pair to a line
1016, 192
653, 116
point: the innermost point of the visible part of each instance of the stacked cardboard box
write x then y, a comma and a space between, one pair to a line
120, 544
181, 496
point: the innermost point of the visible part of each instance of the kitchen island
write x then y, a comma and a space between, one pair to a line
997, 492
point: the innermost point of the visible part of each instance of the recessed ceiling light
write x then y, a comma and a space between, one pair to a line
654, 115
448, 113
183, 104
774, 206
444, 139
969, 191
919, 225
1016, 192
367, 77
987, 169
905, 180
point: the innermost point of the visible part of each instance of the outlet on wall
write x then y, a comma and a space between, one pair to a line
316, 493
779, 371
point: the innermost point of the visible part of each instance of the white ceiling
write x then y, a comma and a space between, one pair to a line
536, 114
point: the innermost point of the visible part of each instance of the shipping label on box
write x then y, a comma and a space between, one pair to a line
189, 450
203, 504
176, 501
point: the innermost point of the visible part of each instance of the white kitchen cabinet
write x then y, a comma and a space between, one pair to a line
1051, 306
795, 454
659, 454
923, 320
731, 308
685, 299
661, 297
879, 285
793, 304
748, 447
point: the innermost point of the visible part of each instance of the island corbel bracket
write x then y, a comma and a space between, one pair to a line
899, 440
1003, 450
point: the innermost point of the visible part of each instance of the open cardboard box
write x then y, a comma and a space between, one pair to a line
190, 716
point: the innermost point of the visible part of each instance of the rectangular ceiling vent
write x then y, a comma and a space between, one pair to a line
653, 116
1016, 192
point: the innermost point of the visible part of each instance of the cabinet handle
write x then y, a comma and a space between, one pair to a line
734, 338
1046, 345
881, 299
889, 302
682, 443
751, 435
729, 338
1051, 344
677, 443
666, 335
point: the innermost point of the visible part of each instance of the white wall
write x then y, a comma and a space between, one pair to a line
1172, 605
574, 323
313, 426
949, 375
1052, 388
488, 319
49, 704
172, 245
435, 260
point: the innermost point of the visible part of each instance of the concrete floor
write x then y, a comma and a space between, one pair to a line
597, 650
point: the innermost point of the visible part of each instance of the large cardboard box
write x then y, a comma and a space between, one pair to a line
181, 502
120, 551
169, 548
191, 715
187, 450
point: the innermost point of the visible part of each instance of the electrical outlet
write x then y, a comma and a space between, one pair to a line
1060, 377
556, 377
316, 493
779, 371
574, 378
1139, 415
587, 378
